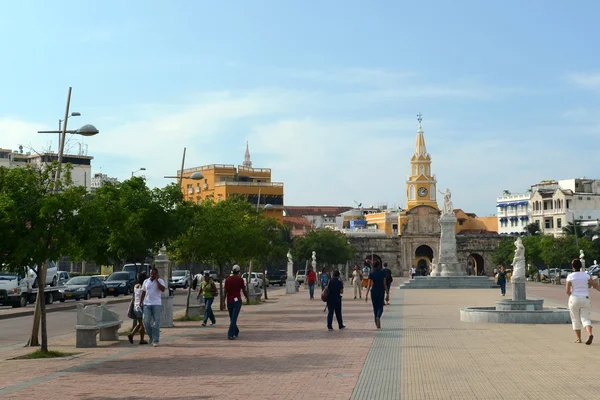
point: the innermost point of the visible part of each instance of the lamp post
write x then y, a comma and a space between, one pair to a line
137, 170
266, 207
73, 114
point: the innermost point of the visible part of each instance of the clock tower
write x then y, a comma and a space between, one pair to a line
421, 185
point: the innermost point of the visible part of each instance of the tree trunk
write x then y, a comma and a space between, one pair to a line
40, 311
34, 339
248, 280
42, 296
189, 295
264, 281
222, 301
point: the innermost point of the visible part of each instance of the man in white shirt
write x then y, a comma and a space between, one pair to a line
151, 304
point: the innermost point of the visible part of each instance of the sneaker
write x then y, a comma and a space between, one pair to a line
343, 327
329, 329
230, 337
155, 344
204, 324
378, 323
130, 337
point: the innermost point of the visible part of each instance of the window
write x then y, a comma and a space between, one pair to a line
422, 170
568, 204
411, 195
548, 224
559, 222
431, 191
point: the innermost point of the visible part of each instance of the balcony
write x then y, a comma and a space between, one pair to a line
514, 197
246, 171
249, 184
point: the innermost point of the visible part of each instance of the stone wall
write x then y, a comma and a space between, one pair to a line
483, 245
388, 249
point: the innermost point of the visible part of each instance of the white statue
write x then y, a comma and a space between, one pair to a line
447, 206
595, 262
582, 259
289, 257
518, 274
314, 260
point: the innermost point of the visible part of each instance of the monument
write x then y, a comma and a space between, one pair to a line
519, 310
163, 265
582, 259
290, 283
314, 261
448, 272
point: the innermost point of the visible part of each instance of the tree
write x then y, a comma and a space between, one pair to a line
37, 226
504, 253
532, 228
332, 247
573, 228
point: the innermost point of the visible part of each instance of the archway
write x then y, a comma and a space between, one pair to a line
423, 258
475, 264
371, 259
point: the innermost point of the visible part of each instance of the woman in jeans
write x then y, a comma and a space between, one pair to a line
208, 289
137, 310
578, 284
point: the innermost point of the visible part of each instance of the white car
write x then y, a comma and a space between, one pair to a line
51, 274
255, 279
181, 278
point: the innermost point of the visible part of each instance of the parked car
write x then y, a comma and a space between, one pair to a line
119, 283
276, 277
51, 274
594, 270
82, 287
181, 278
101, 277
255, 279
63, 277
300, 276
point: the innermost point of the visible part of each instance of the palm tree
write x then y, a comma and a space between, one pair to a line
572, 228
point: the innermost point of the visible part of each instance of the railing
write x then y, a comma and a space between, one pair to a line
206, 167
255, 184
254, 170
518, 196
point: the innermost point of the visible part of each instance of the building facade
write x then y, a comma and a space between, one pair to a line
99, 180
222, 181
513, 213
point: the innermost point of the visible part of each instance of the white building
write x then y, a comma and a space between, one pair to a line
99, 180
81, 164
513, 213
554, 204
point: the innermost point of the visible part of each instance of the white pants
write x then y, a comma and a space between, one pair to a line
579, 307
357, 283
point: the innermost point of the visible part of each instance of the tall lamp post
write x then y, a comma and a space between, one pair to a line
266, 207
137, 170
195, 176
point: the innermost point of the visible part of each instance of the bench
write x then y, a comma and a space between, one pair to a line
93, 319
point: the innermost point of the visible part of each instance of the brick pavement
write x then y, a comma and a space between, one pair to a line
285, 352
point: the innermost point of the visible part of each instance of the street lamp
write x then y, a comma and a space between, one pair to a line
138, 170
73, 114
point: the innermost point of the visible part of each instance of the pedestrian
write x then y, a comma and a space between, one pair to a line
208, 288
578, 283
335, 289
378, 288
234, 287
324, 278
501, 280
137, 310
151, 304
357, 278
311, 280
413, 272
388, 281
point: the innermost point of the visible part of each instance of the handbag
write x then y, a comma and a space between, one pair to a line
130, 312
215, 291
325, 294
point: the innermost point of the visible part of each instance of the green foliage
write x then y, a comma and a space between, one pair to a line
332, 247
505, 252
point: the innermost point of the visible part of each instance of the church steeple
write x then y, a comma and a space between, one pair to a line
247, 162
421, 185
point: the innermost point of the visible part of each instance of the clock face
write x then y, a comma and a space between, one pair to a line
422, 192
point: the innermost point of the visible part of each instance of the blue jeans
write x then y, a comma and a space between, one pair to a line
208, 312
234, 312
311, 290
377, 301
152, 321
334, 307
502, 286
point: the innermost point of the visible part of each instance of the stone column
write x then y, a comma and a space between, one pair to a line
448, 259
163, 265
290, 283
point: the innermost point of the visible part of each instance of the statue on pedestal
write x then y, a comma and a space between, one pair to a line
518, 273
314, 260
582, 259
447, 207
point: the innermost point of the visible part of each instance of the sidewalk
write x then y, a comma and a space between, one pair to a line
284, 352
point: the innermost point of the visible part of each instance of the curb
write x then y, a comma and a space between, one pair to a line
66, 307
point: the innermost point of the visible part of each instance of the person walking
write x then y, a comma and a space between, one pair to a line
137, 310
324, 278
357, 278
311, 280
234, 287
378, 288
413, 272
335, 289
208, 288
578, 284
151, 304
501, 280
388, 281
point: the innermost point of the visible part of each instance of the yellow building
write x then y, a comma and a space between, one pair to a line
224, 180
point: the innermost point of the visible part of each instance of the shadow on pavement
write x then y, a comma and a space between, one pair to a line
151, 398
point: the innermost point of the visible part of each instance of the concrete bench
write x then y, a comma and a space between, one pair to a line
93, 319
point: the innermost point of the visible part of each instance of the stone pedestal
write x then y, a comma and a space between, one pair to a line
448, 259
196, 310
163, 265
518, 291
290, 285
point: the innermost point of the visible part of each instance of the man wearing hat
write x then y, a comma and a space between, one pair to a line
234, 287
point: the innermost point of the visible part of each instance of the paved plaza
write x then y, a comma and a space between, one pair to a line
423, 351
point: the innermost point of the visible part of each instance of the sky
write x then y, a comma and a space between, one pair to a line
326, 93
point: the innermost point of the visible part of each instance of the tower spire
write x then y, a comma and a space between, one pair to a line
420, 148
247, 160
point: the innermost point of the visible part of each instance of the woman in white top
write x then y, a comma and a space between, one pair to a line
137, 310
578, 284
357, 281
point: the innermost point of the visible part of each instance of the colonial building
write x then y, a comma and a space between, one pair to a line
514, 213
411, 236
224, 180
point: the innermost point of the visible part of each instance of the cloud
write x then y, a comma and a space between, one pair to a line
15, 132
587, 80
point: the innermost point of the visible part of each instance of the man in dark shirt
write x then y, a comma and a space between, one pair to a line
378, 287
335, 289
234, 286
388, 280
